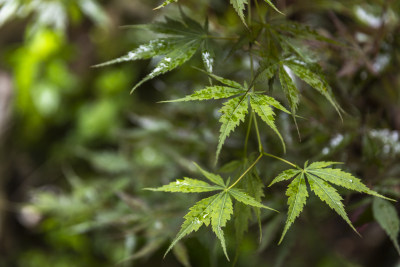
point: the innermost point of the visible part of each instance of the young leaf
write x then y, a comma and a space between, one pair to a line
166, 2
211, 176
261, 105
297, 193
187, 185
210, 92
195, 218
233, 112
221, 213
243, 197
330, 196
386, 215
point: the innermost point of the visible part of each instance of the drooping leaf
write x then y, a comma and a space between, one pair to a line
386, 215
211, 176
288, 86
261, 104
221, 213
242, 216
297, 193
330, 196
181, 253
311, 76
273, 6
198, 215
210, 92
243, 197
299, 30
166, 2
233, 113
187, 185
254, 187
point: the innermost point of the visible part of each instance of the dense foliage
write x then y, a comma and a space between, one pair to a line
290, 83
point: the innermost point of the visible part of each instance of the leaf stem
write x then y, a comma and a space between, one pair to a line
246, 171
260, 147
281, 159
248, 133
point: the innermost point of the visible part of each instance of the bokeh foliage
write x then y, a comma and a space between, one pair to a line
77, 149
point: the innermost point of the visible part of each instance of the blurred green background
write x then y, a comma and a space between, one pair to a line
76, 148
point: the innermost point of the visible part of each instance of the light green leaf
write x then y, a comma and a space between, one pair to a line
155, 47
288, 86
261, 106
321, 164
211, 176
233, 112
172, 60
273, 6
297, 193
285, 175
210, 92
315, 80
329, 195
386, 215
239, 6
243, 197
221, 213
198, 215
166, 2
187, 185
344, 179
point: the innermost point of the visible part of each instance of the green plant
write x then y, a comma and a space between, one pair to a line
277, 51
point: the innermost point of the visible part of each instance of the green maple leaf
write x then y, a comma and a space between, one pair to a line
320, 179
216, 210
185, 38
